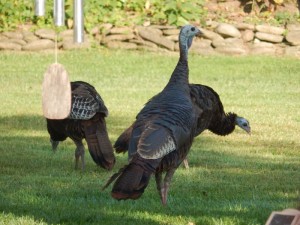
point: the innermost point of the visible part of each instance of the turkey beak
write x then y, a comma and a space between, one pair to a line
199, 34
248, 130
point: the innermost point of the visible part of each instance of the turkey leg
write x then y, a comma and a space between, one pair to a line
79, 153
163, 185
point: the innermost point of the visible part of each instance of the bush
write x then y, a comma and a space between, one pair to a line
118, 12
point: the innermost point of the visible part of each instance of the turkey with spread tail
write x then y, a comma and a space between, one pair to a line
164, 126
86, 121
211, 116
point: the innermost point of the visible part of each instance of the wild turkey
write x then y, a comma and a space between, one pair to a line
211, 116
86, 121
162, 127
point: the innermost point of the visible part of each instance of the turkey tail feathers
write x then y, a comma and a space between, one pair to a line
100, 147
131, 183
113, 177
133, 178
121, 144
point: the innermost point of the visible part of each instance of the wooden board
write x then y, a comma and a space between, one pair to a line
56, 92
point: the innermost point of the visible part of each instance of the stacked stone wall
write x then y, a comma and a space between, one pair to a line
218, 38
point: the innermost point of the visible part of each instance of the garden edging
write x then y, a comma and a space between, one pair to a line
218, 38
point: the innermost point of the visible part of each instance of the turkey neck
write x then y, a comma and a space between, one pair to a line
180, 74
225, 125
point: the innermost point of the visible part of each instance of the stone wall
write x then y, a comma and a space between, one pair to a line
218, 38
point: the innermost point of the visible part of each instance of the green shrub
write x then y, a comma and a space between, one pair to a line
13, 13
119, 12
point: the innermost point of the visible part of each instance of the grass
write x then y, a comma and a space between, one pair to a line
238, 179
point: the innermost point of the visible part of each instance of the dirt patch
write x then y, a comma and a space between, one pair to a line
236, 11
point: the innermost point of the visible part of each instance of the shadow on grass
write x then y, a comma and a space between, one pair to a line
219, 186
23, 122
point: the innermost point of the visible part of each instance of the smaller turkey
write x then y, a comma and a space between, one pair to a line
86, 121
211, 116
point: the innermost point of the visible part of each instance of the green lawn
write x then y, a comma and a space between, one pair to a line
238, 179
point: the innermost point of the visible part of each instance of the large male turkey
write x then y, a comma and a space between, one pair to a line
165, 125
86, 120
211, 116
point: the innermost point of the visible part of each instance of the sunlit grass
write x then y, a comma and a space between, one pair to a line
238, 179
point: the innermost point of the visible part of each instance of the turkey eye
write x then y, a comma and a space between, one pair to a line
193, 29
244, 124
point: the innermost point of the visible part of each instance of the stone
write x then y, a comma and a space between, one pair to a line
171, 32
71, 38
245, 26
263, 44
205, 51
117, 37
143, 42
172, 37
202, 47
293, 37
95, 30
150, 29
231, 50
30, 38
66, 33
17, 41
161, 27
256, 40
2, 37
236, 42
262, 51
38, 45
121, 45
247, 35
105, 28
211, 35
147, 23
228, 30
14, 35
10, 46
69, 44
211, 24
263, 48
293, 51
46, 34
270, 29
279, 50
269, 37
201, 42
98, 38
293, 27
153, 36
121, 30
